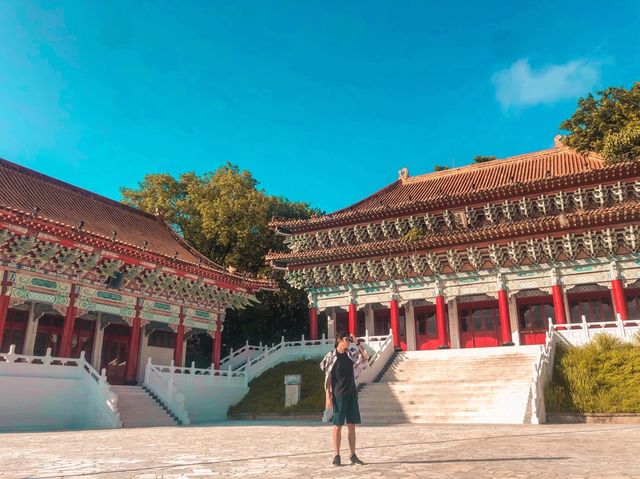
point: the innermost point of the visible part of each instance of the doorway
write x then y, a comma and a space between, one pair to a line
479, 324
115, 348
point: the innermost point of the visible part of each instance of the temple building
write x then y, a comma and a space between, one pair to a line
81, 272
477, 256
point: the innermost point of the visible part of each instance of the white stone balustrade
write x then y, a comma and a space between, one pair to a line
581, 333
46, 392
197, 395
575, 334
542, 373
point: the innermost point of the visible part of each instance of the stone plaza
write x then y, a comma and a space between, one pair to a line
303, 449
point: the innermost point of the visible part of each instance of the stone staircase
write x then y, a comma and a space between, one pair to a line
138, 408
483, 385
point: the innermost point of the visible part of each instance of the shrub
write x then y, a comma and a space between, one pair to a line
600, 377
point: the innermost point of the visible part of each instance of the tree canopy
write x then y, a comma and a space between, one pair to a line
607, 123
222, 214
225, 216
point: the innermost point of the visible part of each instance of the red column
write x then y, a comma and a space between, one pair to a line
69, 322
505, 321
177, 351
4, 303
441, 321
617, 290
313, 323
395, 323
558, 304
217, 346
353, 315
134, 346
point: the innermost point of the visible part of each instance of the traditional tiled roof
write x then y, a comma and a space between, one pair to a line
27, 192
621, 214
460, 185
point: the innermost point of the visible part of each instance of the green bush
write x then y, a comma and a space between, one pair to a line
600, 377
266, 392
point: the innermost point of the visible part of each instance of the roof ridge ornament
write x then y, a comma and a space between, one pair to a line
403, 174
557, 141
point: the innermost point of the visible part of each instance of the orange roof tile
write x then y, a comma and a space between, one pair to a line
22, 190
456, 183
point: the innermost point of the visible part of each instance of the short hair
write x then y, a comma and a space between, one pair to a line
339, 336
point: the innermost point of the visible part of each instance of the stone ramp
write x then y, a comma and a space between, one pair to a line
489, 385
138, 408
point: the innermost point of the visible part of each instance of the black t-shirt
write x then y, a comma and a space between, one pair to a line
342, 379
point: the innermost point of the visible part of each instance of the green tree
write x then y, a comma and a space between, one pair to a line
607, 123
440, 168
483, 159
225, 216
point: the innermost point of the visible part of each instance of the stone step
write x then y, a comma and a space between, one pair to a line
489, 386
392, 385
453, 363
138, 408
421, 376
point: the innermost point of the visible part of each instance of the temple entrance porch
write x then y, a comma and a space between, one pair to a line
107, 340
115, 350
479, 323
534, 312
426, 326
511, 308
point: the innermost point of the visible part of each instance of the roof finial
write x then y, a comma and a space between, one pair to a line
557, 141
403, 174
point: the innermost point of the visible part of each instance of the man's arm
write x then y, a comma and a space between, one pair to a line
363, 352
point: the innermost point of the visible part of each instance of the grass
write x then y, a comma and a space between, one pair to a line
266, 392
600, 377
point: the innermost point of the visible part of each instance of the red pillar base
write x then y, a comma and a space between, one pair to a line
67, 332
441, 322
217, 345
132, 357
395, 323
177, 352
353, 314
313, 324
558, 304
4, 309
617, 291
505, 320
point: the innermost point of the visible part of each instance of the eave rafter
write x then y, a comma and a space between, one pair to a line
523, 251
28, 249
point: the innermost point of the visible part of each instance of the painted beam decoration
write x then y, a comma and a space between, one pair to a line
59, 243
522, 217
33, 256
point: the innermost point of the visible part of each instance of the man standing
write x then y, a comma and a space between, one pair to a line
341, 367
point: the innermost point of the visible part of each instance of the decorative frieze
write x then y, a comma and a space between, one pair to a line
491, 213
547, 251
522, 281
468, 218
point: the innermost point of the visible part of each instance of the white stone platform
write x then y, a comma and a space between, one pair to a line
279, 450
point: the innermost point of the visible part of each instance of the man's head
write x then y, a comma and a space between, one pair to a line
343, 340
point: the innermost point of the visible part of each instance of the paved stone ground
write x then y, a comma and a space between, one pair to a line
268, 449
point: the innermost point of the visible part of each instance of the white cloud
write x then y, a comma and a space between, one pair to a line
520, 86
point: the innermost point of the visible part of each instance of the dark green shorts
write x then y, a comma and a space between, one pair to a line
345, 408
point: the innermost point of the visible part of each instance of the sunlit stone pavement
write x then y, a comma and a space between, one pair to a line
279, 449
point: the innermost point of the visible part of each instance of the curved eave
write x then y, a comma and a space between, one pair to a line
621, 215
206, 269
345, 217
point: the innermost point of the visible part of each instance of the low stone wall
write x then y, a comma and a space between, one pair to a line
596, 418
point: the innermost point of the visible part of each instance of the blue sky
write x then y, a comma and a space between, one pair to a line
322, 101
